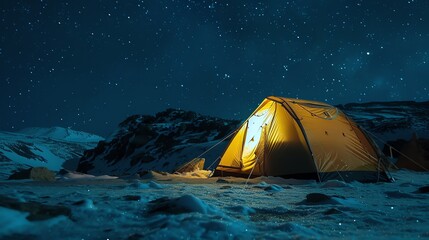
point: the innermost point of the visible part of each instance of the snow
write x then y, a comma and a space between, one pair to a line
184, 204
22, 151
15, 222
269, 187
60, 133
170, 206
12, 221
139, 185
334, 184
86, 204
82, 176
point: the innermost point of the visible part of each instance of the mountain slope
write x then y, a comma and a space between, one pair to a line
18, 150
59, 133
391, 121
161, 142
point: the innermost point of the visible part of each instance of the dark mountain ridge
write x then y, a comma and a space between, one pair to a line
161, 142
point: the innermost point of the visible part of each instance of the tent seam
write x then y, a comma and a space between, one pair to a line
290, 110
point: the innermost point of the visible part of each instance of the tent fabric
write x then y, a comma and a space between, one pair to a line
291, 137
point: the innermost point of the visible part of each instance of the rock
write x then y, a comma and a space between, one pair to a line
273, 188
86, 203
37, 211
220, 180
332, 211
35, 173
398, 194
131, 197
424, 189
156, 143
297, 231
184, 204
269, 188
135, 236
317, 198
243, 210
64, 172
21, 174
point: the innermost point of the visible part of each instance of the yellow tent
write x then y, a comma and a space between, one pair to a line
302, 139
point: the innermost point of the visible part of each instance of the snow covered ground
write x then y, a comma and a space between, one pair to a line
174, 207
54, 148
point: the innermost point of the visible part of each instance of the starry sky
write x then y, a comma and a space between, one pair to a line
88, 65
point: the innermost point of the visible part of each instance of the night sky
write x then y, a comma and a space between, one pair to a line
90, 64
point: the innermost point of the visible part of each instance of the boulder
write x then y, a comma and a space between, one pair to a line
317, 197
37, 211
35, 173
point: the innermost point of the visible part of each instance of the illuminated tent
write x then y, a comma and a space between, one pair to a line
302, 139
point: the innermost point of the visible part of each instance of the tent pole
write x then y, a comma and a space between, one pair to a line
295, 117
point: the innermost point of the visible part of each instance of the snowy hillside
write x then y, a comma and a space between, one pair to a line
162, 142
391, 120
51, 150
165, 141
60, 133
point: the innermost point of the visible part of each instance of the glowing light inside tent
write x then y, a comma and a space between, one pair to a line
255, 125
